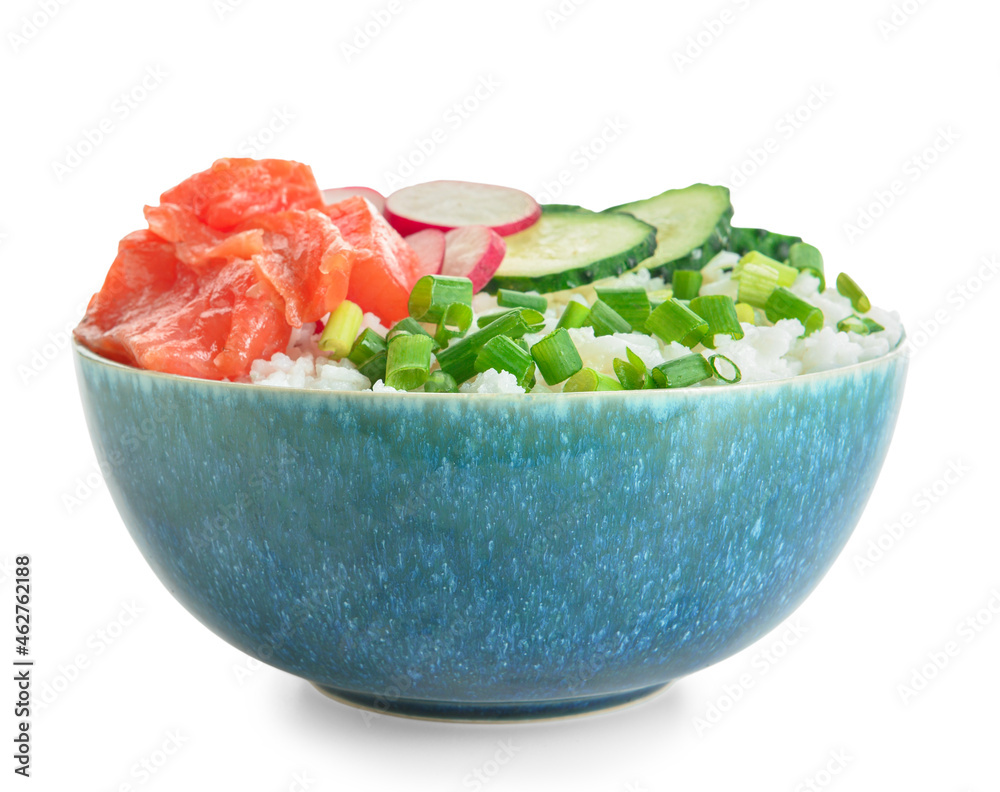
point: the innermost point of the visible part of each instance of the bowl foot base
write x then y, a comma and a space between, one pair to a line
487, 712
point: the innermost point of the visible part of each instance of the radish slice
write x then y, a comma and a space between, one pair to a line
474, 252
446, 205
342, 193
429, 246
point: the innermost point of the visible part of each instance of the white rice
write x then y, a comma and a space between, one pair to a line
764, 353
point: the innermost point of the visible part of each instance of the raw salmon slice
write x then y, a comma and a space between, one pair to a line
196, 243
234, 189
386, 267
307, 261
157, 313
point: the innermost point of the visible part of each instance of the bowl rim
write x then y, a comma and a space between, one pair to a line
900, 351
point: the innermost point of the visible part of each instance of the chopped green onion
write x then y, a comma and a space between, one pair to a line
485, 319
860, 325
409, 361
459, 359
535, 320
756, 282
606, 320
744, 312
342, 327
805, 258
686, 284
503, 354
853, 324
786, 274
589, 380
409, 326
455, 321
440, 382
632, 373
674, 321
632, 305
369, 354
628, 375
366, 346
575, 315
635, 360
532, 318
659, 296
719, 311
374, 367
783, 304
682, 372
851, 290
432, 295
737, 374
507, 298
556, 356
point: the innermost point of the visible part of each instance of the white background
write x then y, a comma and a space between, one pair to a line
120, 687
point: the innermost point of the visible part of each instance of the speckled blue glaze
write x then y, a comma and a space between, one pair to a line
491, 557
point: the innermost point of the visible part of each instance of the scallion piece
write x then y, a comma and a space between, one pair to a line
485, 319
783, 304
853, 324
636, 361
508, 298
459, 359
589, 380
628, 375
786, 274
659, 296
682, 372
409, 361
737, 374
756, 282
632, 373
606, 320
409, 326
455, 322
440, 382
744, 312
674, 321
686, 284
632, 305
432, 295
374, 367
556, 356
575, 315
535, 320
806, 258
532, 318
366, 346
847, 287
872, 325
504, 354
719, 311
342, 327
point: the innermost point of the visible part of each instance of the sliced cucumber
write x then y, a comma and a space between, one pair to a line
568, 247
692, 225
563, 208
776, 246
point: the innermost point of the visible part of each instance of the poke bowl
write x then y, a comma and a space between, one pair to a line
475, 542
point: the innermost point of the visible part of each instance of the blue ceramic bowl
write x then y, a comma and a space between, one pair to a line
485, 557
